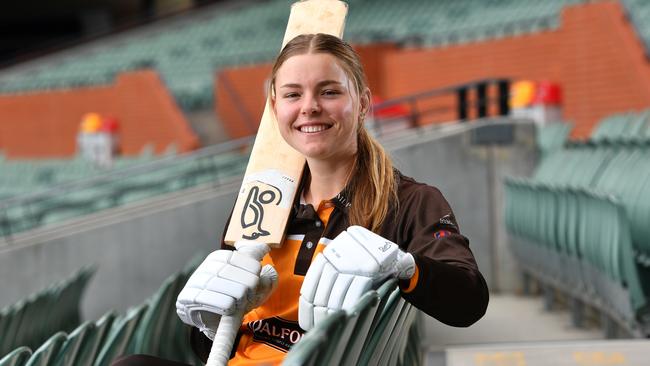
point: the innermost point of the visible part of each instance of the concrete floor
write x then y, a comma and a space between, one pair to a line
509, 319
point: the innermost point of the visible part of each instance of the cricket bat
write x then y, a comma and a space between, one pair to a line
274, 168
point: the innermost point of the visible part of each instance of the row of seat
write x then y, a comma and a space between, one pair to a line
638, 12
624, 126
579, 241
116, 189
580, 222
380, 330
20, 176
32, 320
150, 328
188, 51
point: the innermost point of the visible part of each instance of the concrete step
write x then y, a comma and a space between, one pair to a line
509, 319
573, 353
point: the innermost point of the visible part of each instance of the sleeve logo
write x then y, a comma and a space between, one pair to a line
441, 234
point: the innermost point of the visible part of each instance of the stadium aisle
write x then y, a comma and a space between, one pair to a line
509, 319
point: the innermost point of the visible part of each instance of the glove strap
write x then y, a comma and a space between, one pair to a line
405, 266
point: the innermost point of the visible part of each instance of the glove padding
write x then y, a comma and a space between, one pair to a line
224, 283
356, 261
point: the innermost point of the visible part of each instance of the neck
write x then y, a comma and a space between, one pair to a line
327, 179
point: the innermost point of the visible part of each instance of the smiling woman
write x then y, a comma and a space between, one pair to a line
356, 221
314, 104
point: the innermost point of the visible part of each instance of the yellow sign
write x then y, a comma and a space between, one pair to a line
500, 359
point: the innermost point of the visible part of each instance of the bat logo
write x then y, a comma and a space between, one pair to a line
385, 247
253, 212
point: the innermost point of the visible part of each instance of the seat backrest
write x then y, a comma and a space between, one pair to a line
355, 331
378, 338
121, 335
17, 357
46, 354
312, 349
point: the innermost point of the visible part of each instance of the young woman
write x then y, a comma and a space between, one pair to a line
352, 201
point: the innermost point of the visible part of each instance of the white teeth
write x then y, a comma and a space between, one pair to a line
313, 128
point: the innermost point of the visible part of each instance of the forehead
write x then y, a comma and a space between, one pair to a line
310, 68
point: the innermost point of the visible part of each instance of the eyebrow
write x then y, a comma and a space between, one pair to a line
320, 84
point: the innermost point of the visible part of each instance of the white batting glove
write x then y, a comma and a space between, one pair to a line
356, 261
225, 282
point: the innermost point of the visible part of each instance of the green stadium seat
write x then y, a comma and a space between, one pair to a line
46, 355
380, 334
399, 337
72, 349
17, 357
119, 340
357, 324
94, 340
314, 348
580, 223
156, 328
412, 354
552, 137
12, 328
188, 55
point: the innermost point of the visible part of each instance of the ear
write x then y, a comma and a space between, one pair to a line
364, 100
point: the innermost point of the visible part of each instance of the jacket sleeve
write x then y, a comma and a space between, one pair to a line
447, 285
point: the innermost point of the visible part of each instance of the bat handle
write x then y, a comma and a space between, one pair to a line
224, 339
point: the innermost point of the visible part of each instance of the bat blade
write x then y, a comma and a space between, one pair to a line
274, 168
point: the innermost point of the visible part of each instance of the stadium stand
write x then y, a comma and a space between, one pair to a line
40, 193
33, 320
579, 224
150, 328
380, 325
187, 51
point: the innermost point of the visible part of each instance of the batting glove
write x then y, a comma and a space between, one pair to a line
356, 261
225, 282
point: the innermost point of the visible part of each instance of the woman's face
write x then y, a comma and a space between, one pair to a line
317, 107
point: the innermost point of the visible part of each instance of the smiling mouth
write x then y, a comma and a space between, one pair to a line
314, 128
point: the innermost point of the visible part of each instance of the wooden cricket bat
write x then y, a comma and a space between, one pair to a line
274, 168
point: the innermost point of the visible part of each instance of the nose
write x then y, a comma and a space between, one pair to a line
310, 106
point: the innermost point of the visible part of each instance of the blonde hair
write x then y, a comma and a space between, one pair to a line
372, 185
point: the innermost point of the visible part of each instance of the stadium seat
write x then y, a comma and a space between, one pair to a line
72, 349
17, 357
412, 355
188, 53
26, 323
380, 334
400, 337
46, 354
552, 137
315, 346
357, 324
158, 333
580, 223
119, 340
94, 340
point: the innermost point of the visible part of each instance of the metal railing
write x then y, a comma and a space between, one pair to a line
130, 184
217, 163
471, 100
